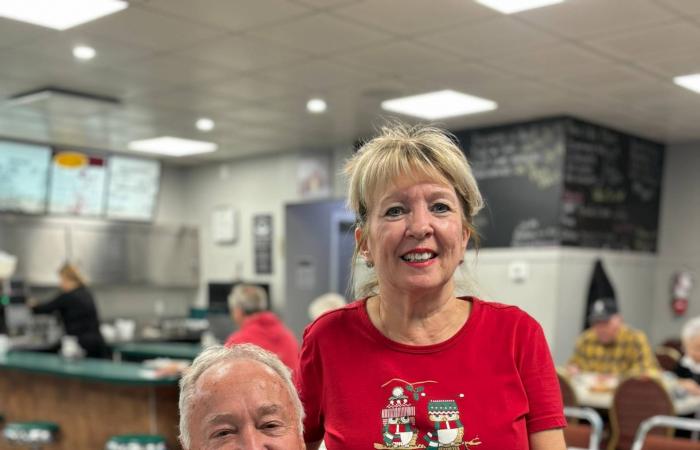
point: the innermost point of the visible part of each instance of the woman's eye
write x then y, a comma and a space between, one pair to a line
394, 211
441, 208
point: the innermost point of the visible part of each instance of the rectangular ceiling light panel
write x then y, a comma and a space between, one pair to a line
691, 82
439, 105
59, 14
172, 146
514, 6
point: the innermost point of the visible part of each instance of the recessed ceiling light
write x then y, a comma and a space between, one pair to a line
691, 82
172, 146
205, 124
59, 15
439, 105
513, 6
83, 52
316, 106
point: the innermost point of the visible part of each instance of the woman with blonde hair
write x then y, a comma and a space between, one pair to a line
411, 365
76, 307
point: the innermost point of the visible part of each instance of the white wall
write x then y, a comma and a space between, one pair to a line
679, 245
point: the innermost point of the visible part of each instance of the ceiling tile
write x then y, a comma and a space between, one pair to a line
551, 63
244, 53
231, 15
652, 43
682, 6
325, 4
580, 18
321, 34
317, 74
152, 30
402, 58
13, 32
501, 35
414, 16
176, 69
250, 88
673, 65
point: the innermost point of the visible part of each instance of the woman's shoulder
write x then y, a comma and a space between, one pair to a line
496, 311
335, 320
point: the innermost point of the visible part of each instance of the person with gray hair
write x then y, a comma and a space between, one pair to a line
248, 306
239, 397
324, 303
688, 367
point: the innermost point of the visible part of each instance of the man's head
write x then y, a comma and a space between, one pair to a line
246, 299
239, 398
605, 319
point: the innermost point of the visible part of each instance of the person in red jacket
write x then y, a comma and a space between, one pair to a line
248, 305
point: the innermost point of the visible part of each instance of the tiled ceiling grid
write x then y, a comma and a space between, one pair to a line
251, 65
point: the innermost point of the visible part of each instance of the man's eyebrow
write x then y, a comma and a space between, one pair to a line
219, 418
268, 409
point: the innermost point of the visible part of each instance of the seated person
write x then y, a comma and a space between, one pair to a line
248, 305
688, 367
239, 397
611, 347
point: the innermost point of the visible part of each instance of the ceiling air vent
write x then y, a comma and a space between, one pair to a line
57, 99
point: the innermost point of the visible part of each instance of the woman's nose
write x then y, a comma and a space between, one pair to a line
419, 224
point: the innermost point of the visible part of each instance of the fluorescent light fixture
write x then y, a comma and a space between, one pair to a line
316, 106
59, 15
514, 6
439, 105
205, 124
691, 82
83, 52
172, 146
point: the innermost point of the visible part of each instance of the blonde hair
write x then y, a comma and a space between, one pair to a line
408, 151
218, 354
70, 271
249, 297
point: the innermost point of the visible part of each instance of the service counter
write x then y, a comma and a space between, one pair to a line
140, 351
90, 399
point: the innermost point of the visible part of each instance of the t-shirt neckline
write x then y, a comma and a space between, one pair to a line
377, 335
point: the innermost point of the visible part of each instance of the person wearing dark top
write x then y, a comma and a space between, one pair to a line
78, 312
688, 367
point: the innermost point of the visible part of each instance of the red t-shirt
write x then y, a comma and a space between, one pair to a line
492, 383
266, 330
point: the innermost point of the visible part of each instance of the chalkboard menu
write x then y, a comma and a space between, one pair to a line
133, 188
563, 181
519, 171
77, 184
23, 175
611, 189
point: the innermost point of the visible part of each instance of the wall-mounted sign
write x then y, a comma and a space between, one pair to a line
77, 184
224, 225
262, 239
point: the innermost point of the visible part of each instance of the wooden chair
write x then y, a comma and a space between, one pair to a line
635, 400
579, 435
667, 357
644, 441
568, 394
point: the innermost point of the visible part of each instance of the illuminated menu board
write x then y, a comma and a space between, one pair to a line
23, 176
133, 188
77, 184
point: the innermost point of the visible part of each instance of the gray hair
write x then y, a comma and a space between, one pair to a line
324, 303
219, 354
691, 329
249, 297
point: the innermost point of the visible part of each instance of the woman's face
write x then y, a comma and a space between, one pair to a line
415, 236
692, 348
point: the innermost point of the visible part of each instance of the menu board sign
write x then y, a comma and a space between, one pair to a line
77, 184
133, 188
23, 173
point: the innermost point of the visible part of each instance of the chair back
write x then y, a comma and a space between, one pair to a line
568, 394
667, 357
636, 399
643, 441
583, 436
674, 343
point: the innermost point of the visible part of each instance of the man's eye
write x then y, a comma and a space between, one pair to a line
222, 433
394, 211
441, 208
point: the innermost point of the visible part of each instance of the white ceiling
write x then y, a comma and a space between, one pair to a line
251, 65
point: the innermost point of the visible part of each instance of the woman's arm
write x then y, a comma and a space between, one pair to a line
548, 440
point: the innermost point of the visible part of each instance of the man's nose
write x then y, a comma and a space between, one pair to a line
249, 438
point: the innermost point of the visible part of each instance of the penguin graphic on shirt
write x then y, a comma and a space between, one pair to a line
398, 419
448, 432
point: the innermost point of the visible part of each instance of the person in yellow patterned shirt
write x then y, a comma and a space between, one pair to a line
611, 347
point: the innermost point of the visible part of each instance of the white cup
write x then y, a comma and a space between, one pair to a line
70, 348
4, 344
